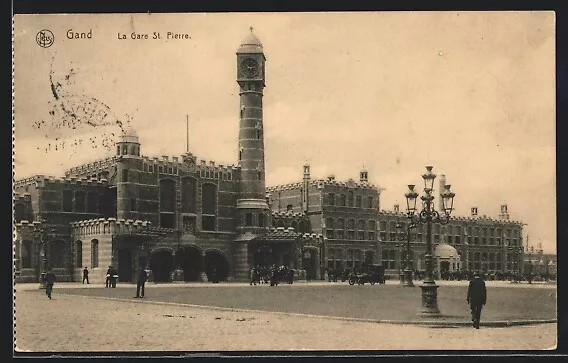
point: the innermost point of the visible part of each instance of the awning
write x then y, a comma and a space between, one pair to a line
245, 237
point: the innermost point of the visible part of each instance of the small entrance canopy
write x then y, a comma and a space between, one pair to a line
445, 251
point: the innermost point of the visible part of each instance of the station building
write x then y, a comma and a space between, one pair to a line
186, 219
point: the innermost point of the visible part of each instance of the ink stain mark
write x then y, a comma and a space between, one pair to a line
74, 115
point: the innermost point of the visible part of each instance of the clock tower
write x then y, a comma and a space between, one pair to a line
253, 212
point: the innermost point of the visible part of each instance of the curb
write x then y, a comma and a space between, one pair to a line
428, 323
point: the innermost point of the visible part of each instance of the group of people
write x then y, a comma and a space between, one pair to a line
273, 275
476, 292
110, 282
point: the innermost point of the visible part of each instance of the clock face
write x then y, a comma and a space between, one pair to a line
250, 67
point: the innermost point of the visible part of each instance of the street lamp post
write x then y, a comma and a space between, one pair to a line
406, 277
428, 216
41, 238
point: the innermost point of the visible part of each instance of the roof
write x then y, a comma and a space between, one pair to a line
129, 134
444, 250
250, 44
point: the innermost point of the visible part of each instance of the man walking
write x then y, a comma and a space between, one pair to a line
49, 281
476, 298
86, 275
142, 277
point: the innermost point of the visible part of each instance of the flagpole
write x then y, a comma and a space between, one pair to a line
187, 133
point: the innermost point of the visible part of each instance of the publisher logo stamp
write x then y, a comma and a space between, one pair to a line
45, 38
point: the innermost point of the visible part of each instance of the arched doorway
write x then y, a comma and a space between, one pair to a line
190, 260
124, 265
216, 263
309, 263
161, 263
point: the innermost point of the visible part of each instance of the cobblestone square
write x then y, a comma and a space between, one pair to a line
177, 318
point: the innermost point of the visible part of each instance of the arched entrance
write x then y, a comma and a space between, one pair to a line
125, 265
190, 260
161, 263
309, 263
216, 266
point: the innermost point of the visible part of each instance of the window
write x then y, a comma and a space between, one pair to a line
78, 254
329, 227
388, 259
94, 253
350, 194
79, 201
209, 199
167, 203
167, 195
19, 212
117, 149
331, 199
403, 257
124, 150
341, 228
208, 207
358, 201
57, 254
372, 228
125, 175
369, 202
188, 191
92, 199
261, 220
360, 229
133, 204
67, 201
248, 219
208, 223
343, 200
26, 253
289, 207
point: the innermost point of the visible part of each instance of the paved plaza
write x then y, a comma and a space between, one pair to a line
303, 316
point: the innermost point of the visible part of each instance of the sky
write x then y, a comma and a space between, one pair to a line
470, 93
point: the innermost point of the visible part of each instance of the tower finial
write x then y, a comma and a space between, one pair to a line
251, 28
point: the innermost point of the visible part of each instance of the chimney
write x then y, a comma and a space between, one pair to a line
442, 188
306, 188
474, 211
363, 176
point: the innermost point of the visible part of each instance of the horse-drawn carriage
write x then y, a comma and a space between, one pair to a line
371, 274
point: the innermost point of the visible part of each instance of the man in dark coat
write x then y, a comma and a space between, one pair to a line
142, 277
86, 275
108, 277
476, 298
49, 281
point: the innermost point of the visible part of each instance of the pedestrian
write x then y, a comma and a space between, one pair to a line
142, 277
476, 298
252, 276
108, 277
114, 277
86, 275
49, 281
